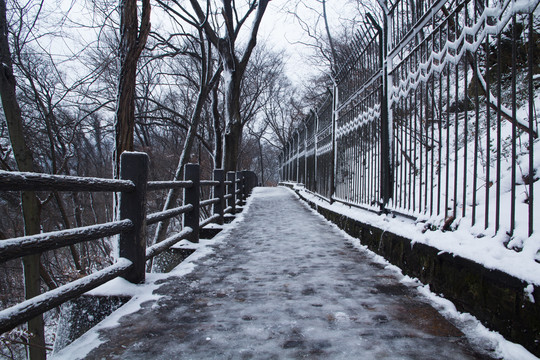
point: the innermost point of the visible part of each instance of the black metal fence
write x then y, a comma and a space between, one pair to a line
433, 116
130, 226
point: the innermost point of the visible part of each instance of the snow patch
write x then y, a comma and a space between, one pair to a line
529, 289
474, 329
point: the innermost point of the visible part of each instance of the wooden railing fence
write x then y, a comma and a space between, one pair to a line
130, 227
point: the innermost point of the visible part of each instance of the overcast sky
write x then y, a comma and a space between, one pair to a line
280, 28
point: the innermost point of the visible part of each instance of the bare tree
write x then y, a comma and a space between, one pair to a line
328, 37
196, 47
234, 66
24, 158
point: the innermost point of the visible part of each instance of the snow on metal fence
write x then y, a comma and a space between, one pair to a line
130, 227
433, 116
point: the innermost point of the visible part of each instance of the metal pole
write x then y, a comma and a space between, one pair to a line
386, 168
332, 189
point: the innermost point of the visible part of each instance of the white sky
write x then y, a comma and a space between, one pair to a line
281, 29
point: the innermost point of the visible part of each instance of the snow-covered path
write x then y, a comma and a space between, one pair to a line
285, 284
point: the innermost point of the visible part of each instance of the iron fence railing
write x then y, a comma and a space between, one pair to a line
433, 116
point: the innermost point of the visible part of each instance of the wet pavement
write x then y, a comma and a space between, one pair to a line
285, 285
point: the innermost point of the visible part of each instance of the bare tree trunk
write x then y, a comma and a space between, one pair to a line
30, 203
233, 129
218, 134
132, 42
46, 277
74, 253
234, 68
208, 82
233, 139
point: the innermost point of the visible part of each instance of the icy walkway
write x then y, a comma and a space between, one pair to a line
285, 284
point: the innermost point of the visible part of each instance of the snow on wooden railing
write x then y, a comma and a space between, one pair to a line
130, 226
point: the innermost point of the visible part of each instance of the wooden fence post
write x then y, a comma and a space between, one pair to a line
191, 196
241, 186
250, 182
219, 192
132, 206
247, 184
231, 176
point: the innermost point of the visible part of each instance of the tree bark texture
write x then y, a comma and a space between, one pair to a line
218, 137
132, 42
30, 204
232, 137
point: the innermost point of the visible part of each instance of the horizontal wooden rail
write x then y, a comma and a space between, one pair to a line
209, 201
209, 183
209, 220
20, 313
168, 185
36, 244
167, 243
167, 214
26, 181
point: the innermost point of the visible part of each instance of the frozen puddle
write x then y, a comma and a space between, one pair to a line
285, 284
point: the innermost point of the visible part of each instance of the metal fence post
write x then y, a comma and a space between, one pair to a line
279, 167
219, 192
297, 169
191, 197
316, 155
132, 206
332, 187
231, 176
386, 179
305, 155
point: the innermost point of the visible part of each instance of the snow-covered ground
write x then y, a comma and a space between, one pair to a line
285, 282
